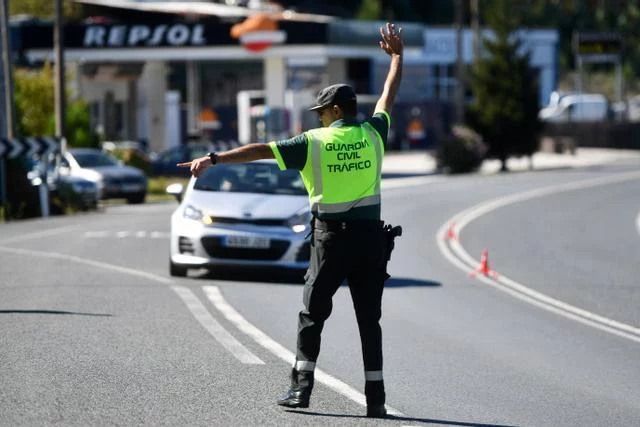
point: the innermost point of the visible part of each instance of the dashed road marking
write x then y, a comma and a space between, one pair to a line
124, 234
454, 252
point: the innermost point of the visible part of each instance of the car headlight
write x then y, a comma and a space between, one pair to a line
300, 221
191, 212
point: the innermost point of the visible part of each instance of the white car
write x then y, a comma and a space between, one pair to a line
250, 215
586, 107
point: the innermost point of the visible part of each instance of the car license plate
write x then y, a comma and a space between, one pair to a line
131, 187
247, 242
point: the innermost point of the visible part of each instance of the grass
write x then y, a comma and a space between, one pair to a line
158, 185
156, 192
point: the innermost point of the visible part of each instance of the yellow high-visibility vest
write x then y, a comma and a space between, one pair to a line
343, 168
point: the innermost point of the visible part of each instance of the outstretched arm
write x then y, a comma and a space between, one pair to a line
393, 45
243, 154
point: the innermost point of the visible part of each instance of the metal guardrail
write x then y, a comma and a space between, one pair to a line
608, 134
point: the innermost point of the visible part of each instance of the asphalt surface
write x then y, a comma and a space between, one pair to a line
93, 331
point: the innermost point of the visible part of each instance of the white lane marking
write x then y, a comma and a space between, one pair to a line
389, 183
95, 234
55, 255
455, 253
216, 330
262, 339
38, 234
638, 222
194, 305
215, 296
141, 234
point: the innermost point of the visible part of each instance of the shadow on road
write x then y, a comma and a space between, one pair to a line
284, 276
403, 282
391, 175
403, 419
262, 275
56, 312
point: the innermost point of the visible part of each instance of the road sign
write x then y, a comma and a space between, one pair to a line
31, 146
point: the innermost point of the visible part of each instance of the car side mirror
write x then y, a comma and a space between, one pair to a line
175, 190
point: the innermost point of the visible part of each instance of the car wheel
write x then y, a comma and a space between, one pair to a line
136, 198
177, 270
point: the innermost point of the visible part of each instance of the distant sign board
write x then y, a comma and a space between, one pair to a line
598, 46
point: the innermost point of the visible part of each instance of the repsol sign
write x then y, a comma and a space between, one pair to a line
144, 35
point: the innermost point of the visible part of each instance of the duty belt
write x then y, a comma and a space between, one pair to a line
348, 225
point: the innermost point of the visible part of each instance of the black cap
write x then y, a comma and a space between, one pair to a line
339, 94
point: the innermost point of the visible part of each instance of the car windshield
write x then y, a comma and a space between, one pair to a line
251, 178
92, 160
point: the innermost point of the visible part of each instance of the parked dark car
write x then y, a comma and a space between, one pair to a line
114, 179
74, 192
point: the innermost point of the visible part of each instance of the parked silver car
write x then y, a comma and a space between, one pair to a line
114, 179
244, 215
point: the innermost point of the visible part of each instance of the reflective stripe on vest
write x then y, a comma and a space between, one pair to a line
318, 186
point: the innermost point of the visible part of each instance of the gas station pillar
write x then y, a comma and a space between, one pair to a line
155, 84
275, 80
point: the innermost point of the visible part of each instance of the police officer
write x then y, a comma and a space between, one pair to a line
340, 165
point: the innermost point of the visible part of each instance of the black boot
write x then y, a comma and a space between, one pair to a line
300, 391
374, 391
376, 411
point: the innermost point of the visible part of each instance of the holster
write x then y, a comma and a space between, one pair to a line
390, 234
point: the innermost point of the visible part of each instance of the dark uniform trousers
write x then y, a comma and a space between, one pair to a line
352, 250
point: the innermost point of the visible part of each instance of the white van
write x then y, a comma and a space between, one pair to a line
586, 107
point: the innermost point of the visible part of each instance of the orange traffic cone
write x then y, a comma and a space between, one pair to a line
484, 266
451, 232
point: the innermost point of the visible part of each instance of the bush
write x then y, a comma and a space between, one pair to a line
460, 152
132, 157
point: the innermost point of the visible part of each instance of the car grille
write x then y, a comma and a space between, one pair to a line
124, 180
215, 249
263, 222
185, 246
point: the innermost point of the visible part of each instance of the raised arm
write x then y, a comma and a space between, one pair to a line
242, 154
392, 44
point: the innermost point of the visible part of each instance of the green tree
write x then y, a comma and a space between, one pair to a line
45, 8
34, 100
35, 109
505, 108
370, 10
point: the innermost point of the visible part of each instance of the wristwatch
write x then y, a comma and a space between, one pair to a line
213, 157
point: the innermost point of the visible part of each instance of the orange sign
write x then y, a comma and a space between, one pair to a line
258, 32
209, 119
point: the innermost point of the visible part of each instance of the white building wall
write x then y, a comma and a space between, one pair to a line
440, 49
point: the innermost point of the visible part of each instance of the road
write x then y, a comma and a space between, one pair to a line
95, 332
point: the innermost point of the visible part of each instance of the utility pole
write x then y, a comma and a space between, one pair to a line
7, 82
460, 74
60, 107
58, 43
475, 26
